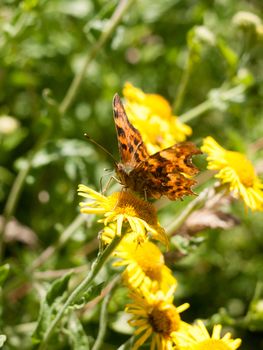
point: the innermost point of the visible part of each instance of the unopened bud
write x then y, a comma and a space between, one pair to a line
245, 20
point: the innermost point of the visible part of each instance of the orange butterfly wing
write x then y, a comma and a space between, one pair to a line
168, 172
131, 147
162, 173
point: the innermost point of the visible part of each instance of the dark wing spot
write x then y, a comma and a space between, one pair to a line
124, 146
120, 131
131, 149
159, 170
137, 157
136, 141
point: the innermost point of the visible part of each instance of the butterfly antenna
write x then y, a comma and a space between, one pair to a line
101, 147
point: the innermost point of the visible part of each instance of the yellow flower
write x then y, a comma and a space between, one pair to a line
152, 115
236, 170
155, 316
123, 209
197, 338
145, 265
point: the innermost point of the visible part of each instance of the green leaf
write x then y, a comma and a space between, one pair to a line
57, 288
63, 149
229, 55
52, 302
28, 5
11, 141
76, 333
4, 270
90, 294
185, 245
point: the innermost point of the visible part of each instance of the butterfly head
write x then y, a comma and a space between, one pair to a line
124, 168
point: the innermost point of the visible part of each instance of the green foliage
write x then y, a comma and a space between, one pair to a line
4, 270
206, 62
76, 334
90, 294
50, 305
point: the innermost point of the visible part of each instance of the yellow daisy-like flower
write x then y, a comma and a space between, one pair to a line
155, 316
197, 338
145, 265
236, 170
123, 209
152, 115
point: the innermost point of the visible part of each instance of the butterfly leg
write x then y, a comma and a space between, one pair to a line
104, 190
108, 182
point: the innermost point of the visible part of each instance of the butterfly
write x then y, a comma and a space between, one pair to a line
165, 173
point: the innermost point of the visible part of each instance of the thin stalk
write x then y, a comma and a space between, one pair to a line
65, 236
104, 318
196, 111
17, 188
197, 203
76, 293
183, 84
12, 202
45, 255
16, 191
256, 297
118, 14
128, 344
49, 274
209, 104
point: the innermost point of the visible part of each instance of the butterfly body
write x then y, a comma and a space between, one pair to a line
162, 173
134, 179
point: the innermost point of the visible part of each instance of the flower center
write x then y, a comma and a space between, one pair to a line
242, 166
127, 203
164, 321
153, 273
211, 344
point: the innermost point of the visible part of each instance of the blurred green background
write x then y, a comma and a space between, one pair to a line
204, 48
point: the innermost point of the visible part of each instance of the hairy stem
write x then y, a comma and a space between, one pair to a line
121, 9
104, 317
196, 111
65, 236
225, 96
76, 293
197, 203
183, 84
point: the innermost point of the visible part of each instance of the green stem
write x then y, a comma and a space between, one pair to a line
104, 317
209, 103
76, 293
196, 111
257, 296
65, 236
197, 203
45, 255
128, 344
16, 191
17, 188
183, 84
12, 202
121, 9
